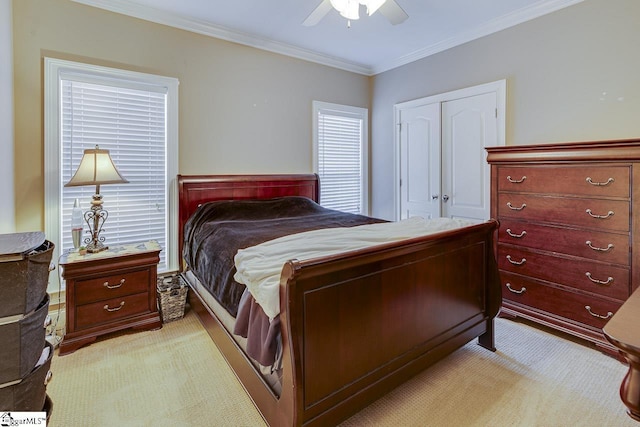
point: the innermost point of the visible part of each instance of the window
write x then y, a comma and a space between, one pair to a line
340, 156
134, 116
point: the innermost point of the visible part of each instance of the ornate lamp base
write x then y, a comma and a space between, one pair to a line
96, 246
95, 219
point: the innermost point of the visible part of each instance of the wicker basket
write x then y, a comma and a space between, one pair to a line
172, 296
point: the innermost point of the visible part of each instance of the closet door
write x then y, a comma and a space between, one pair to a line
420, 161
468, 125
440, 141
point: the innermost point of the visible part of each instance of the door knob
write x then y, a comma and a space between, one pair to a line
445, 198
435, 196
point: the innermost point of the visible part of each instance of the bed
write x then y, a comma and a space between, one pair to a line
352, 325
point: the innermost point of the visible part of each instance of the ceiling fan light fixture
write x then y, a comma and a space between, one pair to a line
372, 5
347, 8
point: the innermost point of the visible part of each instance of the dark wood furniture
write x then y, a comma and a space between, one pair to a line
569, 223
358, 324
622, 331
109, 291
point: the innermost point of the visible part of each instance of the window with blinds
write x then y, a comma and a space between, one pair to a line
130, 115
130, 124
341, 156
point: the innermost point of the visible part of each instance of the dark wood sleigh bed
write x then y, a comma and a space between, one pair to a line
355, 325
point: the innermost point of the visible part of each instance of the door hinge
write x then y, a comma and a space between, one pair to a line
496, 113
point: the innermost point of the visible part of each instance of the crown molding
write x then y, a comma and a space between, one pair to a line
129, 8
493, 26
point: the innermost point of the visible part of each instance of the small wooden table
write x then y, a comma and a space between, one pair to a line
623, 331
109, 291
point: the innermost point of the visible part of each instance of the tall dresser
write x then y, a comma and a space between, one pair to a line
568, 245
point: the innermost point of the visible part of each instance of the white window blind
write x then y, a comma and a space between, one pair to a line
131, 124
341, 156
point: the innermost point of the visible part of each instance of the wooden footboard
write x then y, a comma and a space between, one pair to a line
356, 325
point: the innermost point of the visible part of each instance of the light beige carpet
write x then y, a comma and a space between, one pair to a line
176, 376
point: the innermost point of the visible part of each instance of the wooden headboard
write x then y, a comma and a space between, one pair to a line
194, 190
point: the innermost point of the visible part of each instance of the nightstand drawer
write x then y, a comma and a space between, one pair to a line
109, 310
106, 287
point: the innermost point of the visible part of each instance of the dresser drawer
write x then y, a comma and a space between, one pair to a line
599, 181
583, 308
112, 286
589, 213
599, 278
107, 311
596, 245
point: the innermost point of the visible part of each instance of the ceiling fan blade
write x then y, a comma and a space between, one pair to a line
318, 13
393, 12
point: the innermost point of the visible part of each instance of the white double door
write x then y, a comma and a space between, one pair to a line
442, 161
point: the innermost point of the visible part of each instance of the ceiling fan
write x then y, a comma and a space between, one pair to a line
350, 9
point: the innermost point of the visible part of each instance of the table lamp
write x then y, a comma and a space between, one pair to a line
96, 168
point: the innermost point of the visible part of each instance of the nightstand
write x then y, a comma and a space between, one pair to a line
109, 291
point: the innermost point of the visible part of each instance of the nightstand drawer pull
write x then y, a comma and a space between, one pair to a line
517, 236
599, 282
522, 261
515, 291
595, 248
514, 208
106, 307
606, 316
600, 184
516, 181
108, 286
610, 213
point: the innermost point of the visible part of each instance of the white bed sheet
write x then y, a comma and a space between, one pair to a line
259, 267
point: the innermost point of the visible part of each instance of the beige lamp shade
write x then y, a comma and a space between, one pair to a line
96, 168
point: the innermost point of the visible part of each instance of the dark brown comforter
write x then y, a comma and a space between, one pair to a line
217, 230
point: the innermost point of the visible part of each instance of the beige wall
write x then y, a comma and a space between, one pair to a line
7, 211
241, 109
558, 68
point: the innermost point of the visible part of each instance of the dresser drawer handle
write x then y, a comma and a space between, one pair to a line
516, 181
517, 236
608, 248
515, 291
599, 316
516, 262
600, 184
599, 282
524, 205
610, 213
108, 286
106, 307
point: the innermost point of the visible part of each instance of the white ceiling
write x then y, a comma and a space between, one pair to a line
372, 45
